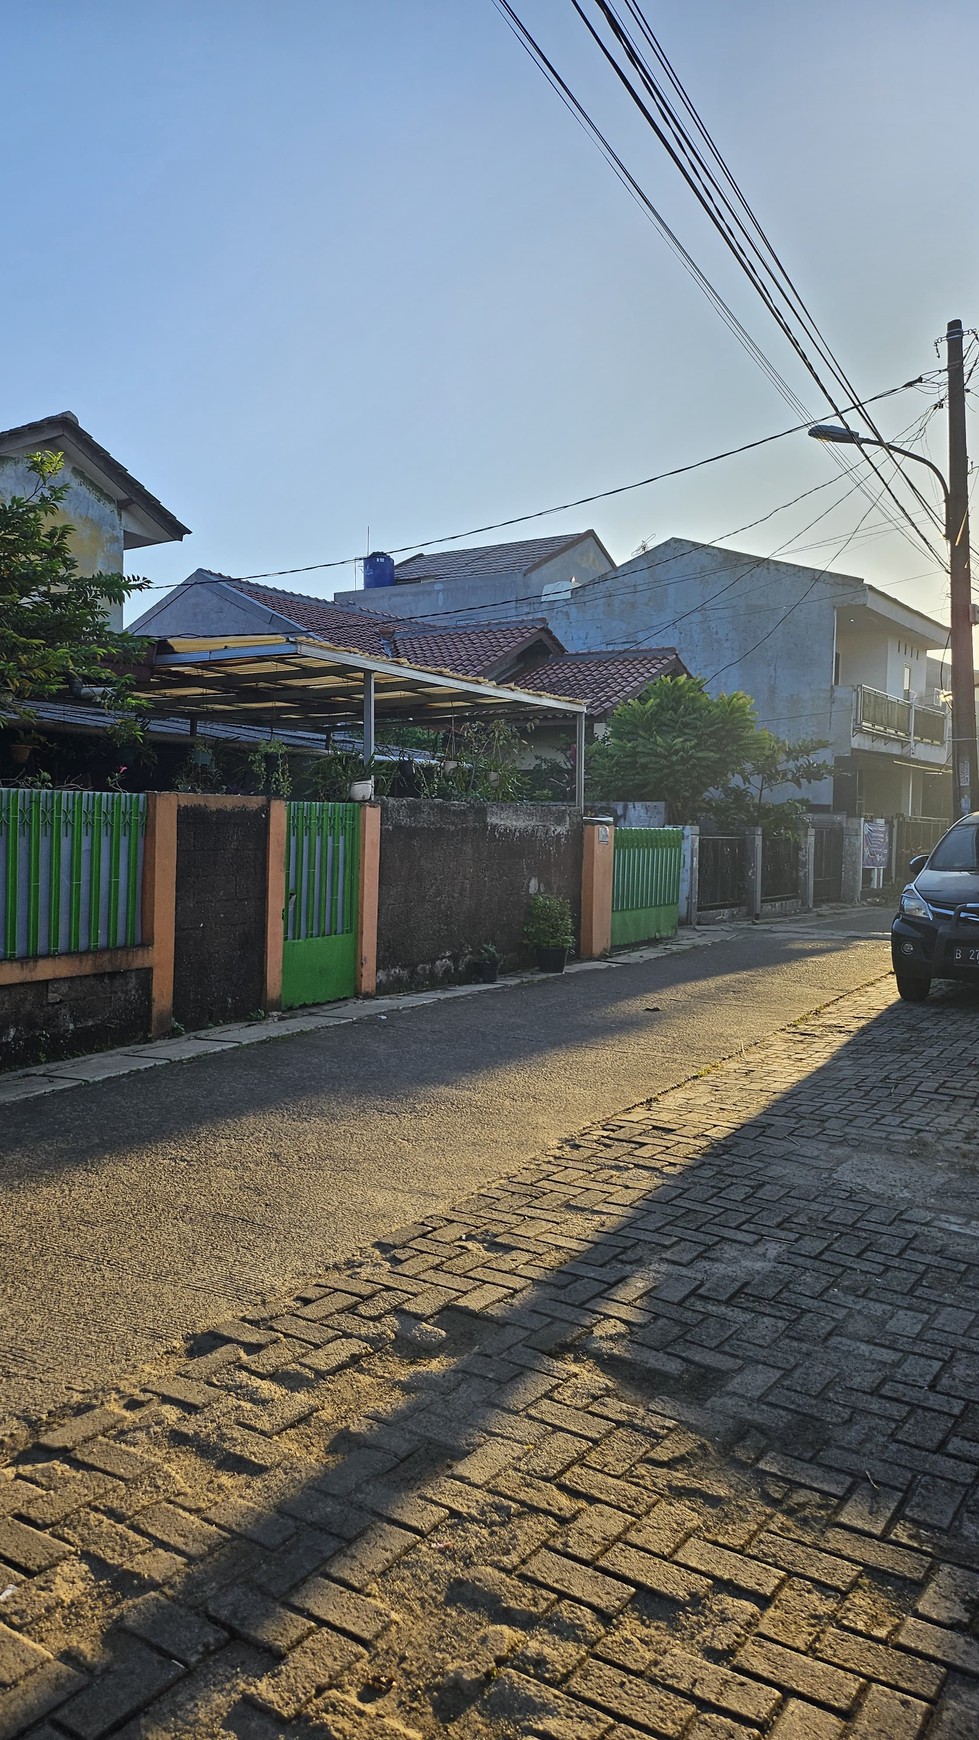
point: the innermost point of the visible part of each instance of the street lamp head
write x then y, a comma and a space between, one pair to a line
832, 432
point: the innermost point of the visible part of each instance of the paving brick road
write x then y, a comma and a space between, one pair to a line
673, 1431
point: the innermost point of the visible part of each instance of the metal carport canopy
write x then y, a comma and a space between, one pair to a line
294, 680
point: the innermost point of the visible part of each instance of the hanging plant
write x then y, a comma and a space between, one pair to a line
269, 764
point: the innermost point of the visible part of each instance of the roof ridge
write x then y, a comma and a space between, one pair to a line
304, 597
113, 467
639, 652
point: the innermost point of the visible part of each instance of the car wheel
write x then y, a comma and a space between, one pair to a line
912, 988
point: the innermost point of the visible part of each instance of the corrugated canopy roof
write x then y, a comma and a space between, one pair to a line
295, 681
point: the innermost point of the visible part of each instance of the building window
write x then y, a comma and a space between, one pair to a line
836, 667
907, 682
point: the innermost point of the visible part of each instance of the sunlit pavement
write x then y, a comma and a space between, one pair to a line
671, 1430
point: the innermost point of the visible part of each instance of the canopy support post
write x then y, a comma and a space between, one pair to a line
579, 761
368, 718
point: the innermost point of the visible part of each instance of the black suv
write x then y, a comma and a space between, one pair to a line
936, 932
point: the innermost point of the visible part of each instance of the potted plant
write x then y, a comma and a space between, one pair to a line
486, 965
549, 932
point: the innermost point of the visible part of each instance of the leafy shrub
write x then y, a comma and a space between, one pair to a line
548, 923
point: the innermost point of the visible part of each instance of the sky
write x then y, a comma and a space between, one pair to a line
321, 273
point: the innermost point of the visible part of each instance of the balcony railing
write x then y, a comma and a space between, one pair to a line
929, 724
890, 716
877, 712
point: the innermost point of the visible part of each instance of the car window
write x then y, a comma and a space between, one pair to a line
957, 851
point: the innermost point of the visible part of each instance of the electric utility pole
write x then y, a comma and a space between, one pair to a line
965, 776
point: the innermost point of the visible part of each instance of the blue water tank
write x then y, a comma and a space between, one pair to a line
378, 569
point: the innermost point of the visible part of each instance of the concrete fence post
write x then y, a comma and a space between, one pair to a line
690, 876
159, 894
275, 904
753, 854
367, 905
597, 876
852, 886
807, 869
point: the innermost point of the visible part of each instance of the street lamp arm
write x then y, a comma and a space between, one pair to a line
919, 458
851, 438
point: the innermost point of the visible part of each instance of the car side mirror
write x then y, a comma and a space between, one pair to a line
918, 862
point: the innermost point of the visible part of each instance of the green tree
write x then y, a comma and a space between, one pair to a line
54, 633
773, 762
674, 743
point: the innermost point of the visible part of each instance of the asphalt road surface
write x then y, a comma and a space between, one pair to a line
143, 1209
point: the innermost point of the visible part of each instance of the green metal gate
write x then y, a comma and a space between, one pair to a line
319, 951
646, 887
71, 866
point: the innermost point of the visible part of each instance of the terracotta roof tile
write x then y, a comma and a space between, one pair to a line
359, 630
470, 651
603, 680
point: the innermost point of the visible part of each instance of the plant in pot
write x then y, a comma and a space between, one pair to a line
485, 966
549, 932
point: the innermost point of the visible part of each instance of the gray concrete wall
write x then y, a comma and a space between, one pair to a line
219, 937
57, 1018
207, 606
455, 876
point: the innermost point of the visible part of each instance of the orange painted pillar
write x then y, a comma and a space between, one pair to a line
275, 904
370, 873
597, 866
159, 903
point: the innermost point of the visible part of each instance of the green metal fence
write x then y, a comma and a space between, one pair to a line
71, 865
319, 953
646, 886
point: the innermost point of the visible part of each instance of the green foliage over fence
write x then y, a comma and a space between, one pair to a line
70, 871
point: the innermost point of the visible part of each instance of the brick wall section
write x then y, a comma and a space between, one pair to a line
454, 876
57, 1018
219, 949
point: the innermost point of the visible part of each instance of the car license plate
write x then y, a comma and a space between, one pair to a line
965, 956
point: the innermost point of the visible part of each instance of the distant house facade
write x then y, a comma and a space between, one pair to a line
108, 511
823, 655
549, 564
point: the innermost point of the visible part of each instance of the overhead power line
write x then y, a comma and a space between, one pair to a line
639, 194
760, 262
422, 544
732, 217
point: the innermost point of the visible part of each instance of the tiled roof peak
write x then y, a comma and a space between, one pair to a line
602, 679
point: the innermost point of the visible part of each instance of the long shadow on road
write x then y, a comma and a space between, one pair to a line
367, 1066
149, 1206
682, 1410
